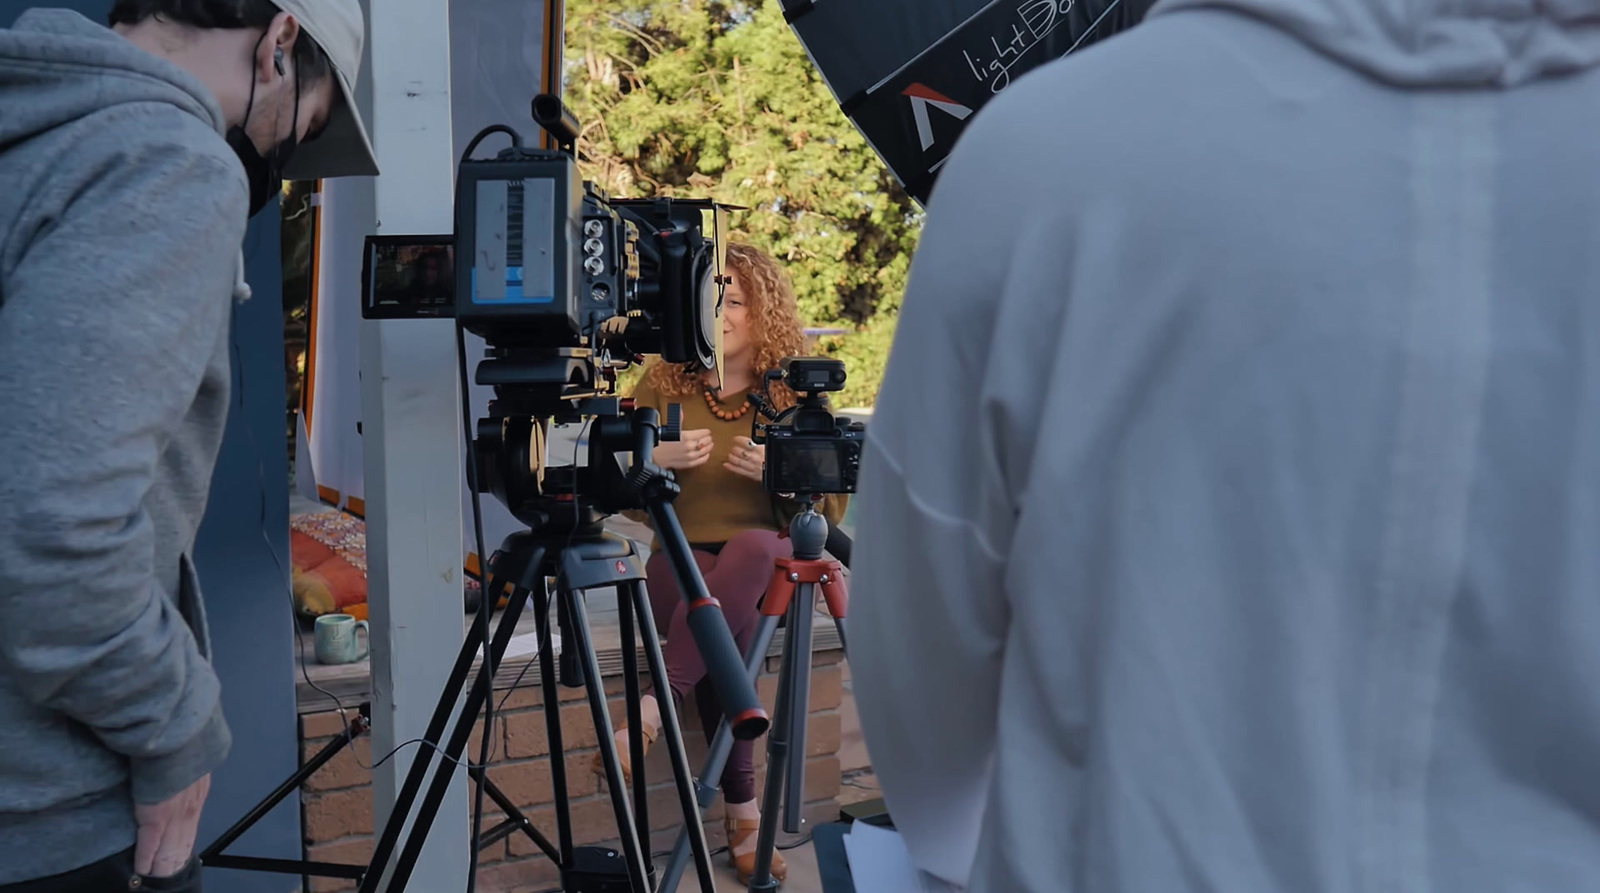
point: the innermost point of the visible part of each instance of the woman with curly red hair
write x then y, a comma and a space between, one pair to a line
730, 520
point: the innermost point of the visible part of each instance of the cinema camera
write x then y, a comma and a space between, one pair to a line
809, 450
566, 287
569, 285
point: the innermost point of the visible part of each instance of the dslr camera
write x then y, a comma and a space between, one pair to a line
809, 450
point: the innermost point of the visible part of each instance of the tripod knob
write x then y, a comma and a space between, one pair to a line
673, 426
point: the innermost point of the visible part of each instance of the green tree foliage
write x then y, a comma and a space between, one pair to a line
700, 98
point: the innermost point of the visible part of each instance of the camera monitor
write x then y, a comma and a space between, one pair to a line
408, 277
808, 466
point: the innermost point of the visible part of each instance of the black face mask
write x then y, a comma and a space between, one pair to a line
264, 174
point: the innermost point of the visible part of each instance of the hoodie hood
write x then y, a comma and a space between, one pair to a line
1435, 43
57, 67
54, 67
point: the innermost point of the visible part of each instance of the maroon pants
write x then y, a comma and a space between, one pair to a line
737, 577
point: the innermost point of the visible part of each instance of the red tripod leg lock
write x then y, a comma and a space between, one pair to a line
836, 592
779, 591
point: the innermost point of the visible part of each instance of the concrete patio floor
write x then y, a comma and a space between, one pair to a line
803, 876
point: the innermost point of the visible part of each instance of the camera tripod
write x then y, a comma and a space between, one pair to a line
575, 550
791, 595
568, 543
525, 561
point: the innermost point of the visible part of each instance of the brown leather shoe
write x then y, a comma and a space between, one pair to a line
741, 831
598, 762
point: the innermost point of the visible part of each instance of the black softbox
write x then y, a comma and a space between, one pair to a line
911, 73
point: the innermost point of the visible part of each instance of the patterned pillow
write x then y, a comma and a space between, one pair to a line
328, 551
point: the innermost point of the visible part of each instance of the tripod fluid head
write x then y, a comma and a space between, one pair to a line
573, 501
533, 390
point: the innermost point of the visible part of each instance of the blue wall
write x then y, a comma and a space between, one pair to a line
242, 555
246, 590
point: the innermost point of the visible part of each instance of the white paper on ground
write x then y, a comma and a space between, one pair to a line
526, 645
880, 863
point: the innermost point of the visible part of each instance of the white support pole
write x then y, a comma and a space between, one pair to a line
412, 429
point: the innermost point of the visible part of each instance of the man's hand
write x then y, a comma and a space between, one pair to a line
692, 449
167, 831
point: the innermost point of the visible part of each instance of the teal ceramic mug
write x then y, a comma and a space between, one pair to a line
337, 639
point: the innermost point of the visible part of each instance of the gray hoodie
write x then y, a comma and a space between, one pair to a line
1230, 515
121, 219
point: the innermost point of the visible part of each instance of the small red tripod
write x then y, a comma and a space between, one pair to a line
792, 573
791, 597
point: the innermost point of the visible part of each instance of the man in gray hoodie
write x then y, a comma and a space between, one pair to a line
1229, 514
132, 157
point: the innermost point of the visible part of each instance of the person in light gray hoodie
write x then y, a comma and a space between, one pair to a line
132, 157
1230, 513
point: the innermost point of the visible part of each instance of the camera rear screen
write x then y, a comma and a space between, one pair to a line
420, 278
806, 466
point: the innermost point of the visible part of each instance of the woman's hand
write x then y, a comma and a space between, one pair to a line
692, 449
747, 459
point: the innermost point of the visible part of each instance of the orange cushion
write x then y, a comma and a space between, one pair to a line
306, 553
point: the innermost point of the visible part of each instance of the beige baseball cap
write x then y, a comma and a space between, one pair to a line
342, 149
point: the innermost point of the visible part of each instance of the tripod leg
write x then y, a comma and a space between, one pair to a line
491, 666
440, 784
552, 723
717, 757
777, 755
515, 819
631, 697
837, 595
571, 664
694, 833
424, 758
210, 855
799, 702
608, 742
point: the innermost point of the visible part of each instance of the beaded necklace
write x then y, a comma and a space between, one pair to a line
719, 412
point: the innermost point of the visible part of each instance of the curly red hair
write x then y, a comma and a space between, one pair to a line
776, 329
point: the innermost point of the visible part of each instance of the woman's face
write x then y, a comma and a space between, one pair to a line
736, 336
